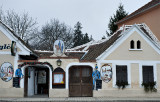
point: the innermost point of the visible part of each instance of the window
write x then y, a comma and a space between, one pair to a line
121, 73
58, 78
132, 44
147, 74
138, 44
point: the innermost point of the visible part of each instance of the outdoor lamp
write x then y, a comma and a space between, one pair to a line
59, 62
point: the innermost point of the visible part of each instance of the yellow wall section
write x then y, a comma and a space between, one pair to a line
123, 52
5, 40
158, 76
135, 75
64, 63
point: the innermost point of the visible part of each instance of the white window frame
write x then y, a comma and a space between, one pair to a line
128, 74
135, 46
141, 72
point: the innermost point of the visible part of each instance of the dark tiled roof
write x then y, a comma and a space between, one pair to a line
44, 54
78, 55
96, 50
152, 37
19, 38
148, 6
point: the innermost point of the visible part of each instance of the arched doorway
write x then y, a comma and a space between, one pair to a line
80, 81
36, 81
37, 78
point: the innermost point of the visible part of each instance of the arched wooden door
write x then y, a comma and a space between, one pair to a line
80, 81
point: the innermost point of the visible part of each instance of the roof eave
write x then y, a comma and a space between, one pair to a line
126, 18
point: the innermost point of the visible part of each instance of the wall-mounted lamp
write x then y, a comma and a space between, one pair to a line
59, 62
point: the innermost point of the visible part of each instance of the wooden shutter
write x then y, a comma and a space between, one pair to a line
121, 73
148, 74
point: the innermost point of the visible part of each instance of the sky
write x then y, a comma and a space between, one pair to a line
94, 15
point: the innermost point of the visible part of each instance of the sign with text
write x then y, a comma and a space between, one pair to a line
5, 46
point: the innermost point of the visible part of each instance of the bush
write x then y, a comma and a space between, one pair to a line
121, 84
149, 86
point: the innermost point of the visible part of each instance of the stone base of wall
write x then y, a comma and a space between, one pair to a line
58, 93
125, 93
11, 92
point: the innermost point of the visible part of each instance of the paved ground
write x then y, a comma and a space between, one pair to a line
79, 99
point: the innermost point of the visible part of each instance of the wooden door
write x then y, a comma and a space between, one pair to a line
80, 81
26, 83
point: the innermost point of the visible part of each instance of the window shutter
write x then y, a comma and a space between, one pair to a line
118, 76
124, 69
148, 74
151, 78
121, 73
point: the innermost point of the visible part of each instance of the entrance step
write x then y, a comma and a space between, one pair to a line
38, 96
79, 99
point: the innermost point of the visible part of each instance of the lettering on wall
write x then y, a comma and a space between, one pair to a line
5, 46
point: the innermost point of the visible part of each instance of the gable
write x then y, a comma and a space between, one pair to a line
5, 43
123, 52
6, 37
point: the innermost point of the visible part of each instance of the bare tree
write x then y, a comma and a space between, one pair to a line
23, 26
1, 13
52, 31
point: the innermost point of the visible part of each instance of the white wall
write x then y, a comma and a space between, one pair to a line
31, 83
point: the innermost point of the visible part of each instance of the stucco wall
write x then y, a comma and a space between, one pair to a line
11, 92
64, 64
4, 40
134, 91
58, 93
135, 76
158, 76
123, 52
151, 18
125, 93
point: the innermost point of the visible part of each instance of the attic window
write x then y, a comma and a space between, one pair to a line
132, 44
136, 47
138, 44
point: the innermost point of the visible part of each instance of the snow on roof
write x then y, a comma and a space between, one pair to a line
146, 28
43, 51
84, 47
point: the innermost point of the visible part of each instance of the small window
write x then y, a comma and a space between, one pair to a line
132, 44
138, 44
121, 73
58, 80
148, 74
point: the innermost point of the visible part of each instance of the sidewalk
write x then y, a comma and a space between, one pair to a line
80, 99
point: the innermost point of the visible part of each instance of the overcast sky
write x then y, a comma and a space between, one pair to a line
93, 14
